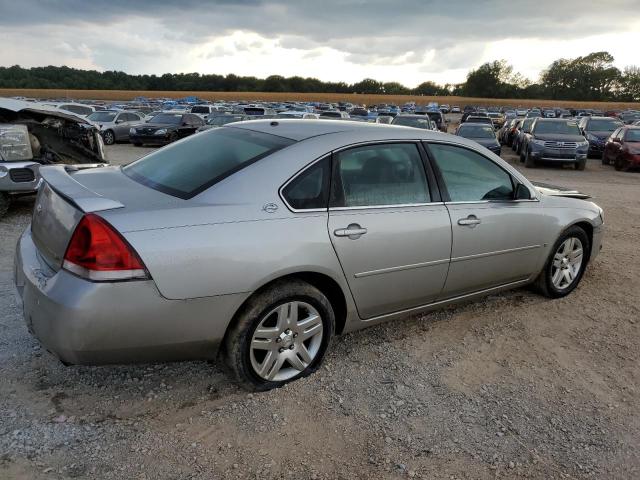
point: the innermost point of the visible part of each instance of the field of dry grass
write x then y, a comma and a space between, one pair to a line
320, 97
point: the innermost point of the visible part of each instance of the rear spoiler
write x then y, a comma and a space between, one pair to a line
61, 182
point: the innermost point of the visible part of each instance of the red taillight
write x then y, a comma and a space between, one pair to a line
98, 252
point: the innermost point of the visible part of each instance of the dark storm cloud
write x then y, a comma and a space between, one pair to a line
369, 32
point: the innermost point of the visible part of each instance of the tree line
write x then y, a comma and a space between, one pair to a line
591, 77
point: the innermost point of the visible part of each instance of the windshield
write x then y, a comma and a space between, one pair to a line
632, 135
102, 116
476, 131
435, 116
603, 125
220, 120
200, 109
560, 128
167, 118
185, 169
412, 122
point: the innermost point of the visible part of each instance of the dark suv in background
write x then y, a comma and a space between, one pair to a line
597, 130
556, 140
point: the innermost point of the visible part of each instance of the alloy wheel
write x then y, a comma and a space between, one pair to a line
286, 341
567, 262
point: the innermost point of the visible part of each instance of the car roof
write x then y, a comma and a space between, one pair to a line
298, 129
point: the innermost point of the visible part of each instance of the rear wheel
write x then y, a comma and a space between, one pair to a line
281, 334
605, 159
580, 164
618, 164
5, 201
566, 264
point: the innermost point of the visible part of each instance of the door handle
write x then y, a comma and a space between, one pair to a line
353, 231
471, 221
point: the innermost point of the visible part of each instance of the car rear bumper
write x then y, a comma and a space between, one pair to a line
84, 322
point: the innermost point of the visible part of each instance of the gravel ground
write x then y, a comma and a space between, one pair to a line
514, 386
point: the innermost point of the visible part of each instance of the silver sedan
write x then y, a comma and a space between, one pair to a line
262, 240
114, 125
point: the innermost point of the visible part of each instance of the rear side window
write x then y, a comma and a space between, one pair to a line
187, 168
470, 177
310, 189
374, 175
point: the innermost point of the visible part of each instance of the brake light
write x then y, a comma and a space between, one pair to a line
98, 252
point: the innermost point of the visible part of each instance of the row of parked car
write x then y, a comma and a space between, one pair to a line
572, 140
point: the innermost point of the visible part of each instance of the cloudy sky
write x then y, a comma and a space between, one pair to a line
409, 41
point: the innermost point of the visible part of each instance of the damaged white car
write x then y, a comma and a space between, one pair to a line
32, 135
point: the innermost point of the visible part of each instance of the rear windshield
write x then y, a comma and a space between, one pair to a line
477, 131
415, 122
187, 168
167, 118
200, 109
603, 125
102, 116
561, 128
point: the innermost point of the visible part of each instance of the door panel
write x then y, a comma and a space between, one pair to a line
495, 239
504, 247
393, 241
402, 259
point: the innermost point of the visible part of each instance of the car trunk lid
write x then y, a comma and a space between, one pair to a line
69, 192
60, 204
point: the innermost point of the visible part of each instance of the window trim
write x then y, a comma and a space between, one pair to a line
443, 187
432, 186
301, 172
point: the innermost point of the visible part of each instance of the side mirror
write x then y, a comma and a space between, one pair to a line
522, 192
120, 120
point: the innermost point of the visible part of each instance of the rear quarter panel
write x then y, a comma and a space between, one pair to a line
234, 257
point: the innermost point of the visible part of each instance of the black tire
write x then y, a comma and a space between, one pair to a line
580, 164
109, 137
137, 144
173, 137
543, 284
238, 338
605, 159
529, 162
618, 165
5, 201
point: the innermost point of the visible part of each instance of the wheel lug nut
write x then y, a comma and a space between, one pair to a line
278, 340
295, 335
290, 347
281, 349
287, 331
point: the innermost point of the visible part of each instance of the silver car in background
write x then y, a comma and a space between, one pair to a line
114, 125
264, 239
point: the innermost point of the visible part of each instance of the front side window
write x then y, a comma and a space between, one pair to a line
186, 168
374, 175
470, 177
310, 189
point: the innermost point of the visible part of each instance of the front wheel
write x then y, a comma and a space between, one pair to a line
580, 164
109, 137
280, 335
566, 264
